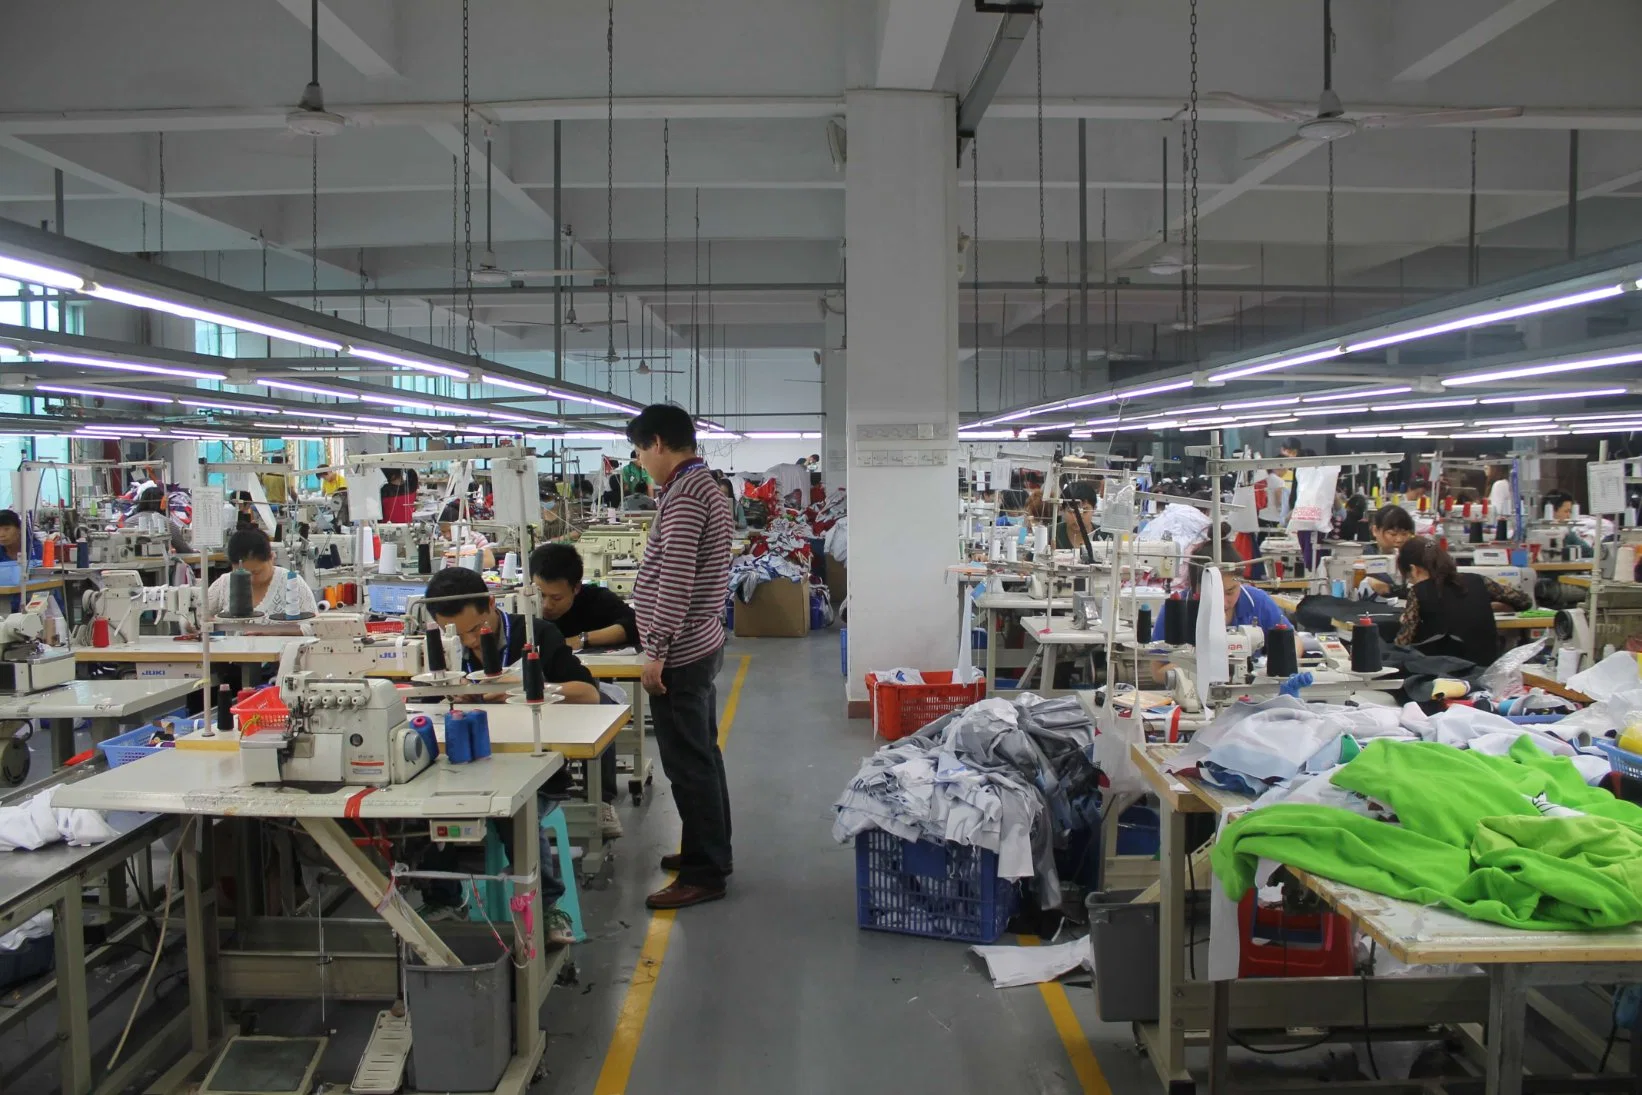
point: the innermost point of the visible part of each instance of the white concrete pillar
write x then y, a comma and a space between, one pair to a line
834, 432
901, 229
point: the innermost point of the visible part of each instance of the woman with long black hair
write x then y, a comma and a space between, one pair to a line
1450, 613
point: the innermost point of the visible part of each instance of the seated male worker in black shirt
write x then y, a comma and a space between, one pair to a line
589, 617
458, 597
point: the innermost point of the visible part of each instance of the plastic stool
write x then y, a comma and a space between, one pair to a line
570, 900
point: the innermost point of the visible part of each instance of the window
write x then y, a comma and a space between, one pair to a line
215, 339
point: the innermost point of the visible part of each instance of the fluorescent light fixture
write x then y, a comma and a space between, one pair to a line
1372, 393
123, 366
1080, 435
307, 389
1570, 300
101, 393
516, 385
328, 415
216, 406
1281, 363
1318, 412
1601, 416
594, 435
1510, 421
1048, 426
1153, 389
1108, 421
1423, 405
398, 401
34, 274
1146, 425
1534, 397
1075, 403
625, 408
1537, 431
390, 421
138, 300
784, 435
408, 363
1544, 369
1286, 401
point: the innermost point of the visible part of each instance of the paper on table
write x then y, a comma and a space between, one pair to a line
1615, 673
1605, 483
1014, 966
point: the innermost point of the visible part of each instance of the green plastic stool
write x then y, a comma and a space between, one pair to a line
570, 900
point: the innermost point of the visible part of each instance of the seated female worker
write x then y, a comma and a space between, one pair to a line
1391, 527
1450, 613
1244, 604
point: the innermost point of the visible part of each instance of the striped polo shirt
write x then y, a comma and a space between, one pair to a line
685, 575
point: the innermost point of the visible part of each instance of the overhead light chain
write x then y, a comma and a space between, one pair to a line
162, 196
610, 179
975, 256
467, 184
1192, 319
1043, 264
666, 267
1328, 249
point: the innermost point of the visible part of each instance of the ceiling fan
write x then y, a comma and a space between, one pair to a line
1172, 265
488, 273
1330, 122
310, 118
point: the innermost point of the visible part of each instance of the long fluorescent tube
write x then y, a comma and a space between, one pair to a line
99, 393
625, 408
216, 406
123, 366
327, 414
1543, 369
397, 401
1602, 416
984, 435
1372, 393
1425, 405
516, 385
594, 435
1535, 397
1249, 404
138, 300
780, 435
1154, 389
408, 363
1509, 421
1483, 319
1318, 412
1280, 363
33, 274
308, 389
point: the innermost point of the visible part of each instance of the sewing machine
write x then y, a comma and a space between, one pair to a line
338, 731
123, 599
125, 546
1520, 579
27, 664
607, 549
344, 652
1351, 569
325, 551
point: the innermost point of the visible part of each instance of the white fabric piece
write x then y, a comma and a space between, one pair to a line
1593, 768
1213, 666
790, 479
34, 824
1010, 967
836, 541
37, 926
1466, 727
1615, 673
1178, 522
898, 676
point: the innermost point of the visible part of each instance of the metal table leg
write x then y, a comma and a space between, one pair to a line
593, 785
1219, 1037
73, 1006
1507, 1010
991, 633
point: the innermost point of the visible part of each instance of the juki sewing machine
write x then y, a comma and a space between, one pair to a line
123, 599
125, 546
1351, 569
338, 731
344, 650
609, 549
1520, 579
27, 664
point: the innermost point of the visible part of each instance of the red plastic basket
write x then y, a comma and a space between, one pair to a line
1298, 944
902, 709
261, 710
385, 627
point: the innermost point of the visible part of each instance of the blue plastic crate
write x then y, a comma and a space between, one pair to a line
940, 891
1620, 760
392, 598
133, 744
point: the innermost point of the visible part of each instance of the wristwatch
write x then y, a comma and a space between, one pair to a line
584, 640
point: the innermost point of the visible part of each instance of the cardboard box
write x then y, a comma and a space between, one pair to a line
779, 609
838, 580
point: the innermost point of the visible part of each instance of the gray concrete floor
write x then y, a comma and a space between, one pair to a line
775, 988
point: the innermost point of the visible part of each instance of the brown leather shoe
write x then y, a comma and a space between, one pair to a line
675, 862
680, 896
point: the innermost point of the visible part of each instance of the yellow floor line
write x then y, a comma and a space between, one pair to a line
635, 1006
1091, 1080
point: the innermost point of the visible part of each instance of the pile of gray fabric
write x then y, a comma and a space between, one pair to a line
998, 775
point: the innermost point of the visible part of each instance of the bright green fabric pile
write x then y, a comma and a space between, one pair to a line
1471, 837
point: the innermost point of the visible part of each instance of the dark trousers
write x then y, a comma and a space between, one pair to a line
686, 721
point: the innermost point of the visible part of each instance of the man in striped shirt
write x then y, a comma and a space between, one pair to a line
678, 598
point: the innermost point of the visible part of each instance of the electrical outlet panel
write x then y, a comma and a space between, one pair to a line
458, 830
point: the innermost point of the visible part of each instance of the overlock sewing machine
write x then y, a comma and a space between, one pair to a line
27, 664
344, 731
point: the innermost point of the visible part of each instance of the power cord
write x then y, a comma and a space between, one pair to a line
159, 947
1613, 1035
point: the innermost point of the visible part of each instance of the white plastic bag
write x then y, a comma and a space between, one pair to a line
1313, 499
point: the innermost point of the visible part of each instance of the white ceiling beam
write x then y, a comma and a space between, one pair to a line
1103, 108
1266, 169
1508, 15
369, 51
912, 41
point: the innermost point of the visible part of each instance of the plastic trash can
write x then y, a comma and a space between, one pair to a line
1124, 940
461, 1030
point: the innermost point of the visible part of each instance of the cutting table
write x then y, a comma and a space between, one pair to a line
211, 784
111, 706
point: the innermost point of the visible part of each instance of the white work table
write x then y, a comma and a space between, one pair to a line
111, 706
1050, 633
624, 670
994, 603
210, 783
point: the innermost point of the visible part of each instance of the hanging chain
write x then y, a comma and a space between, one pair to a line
695, 323
455, 258
467, 182
975, 258
1043, 265
1185, 240
1328, 247
666, 267
313, 219
1473, 257
145, 226
1192, 211
610, 182
162, 195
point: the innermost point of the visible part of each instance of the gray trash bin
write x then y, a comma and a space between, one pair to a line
461, 1029
1124, 940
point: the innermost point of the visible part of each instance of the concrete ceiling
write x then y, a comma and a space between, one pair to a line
745, 89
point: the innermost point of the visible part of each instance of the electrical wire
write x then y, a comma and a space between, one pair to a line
159, 947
